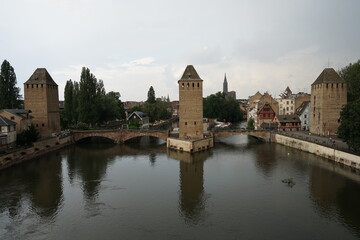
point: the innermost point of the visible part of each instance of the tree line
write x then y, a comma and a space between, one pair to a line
155, 108
222, 107
9, 93
349, 129
86, 102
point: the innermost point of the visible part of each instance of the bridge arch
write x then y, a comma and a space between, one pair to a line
259, 134
118, 135
155, 134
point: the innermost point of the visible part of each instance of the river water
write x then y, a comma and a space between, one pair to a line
139, 190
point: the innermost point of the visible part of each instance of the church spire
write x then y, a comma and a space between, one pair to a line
225, 85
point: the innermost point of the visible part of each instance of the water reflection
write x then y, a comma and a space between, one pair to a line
39, 184
266, 158
336, 195
192, 199
89, 165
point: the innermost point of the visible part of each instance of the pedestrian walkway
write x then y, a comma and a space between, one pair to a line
332, 141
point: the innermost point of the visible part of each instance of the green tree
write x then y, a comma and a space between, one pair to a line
87, 99
250, 124
151, 95
9, 93
111, 107
159, 110
350, 114
349, 128
28, 136
76, 102
225, 109
68, 114
351, 74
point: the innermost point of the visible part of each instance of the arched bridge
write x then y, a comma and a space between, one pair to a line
118, 135
122, 135
259, 134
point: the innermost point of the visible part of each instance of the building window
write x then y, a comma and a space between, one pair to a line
187, 85
185, 123
305, 122
37, 125
42, 85
305, 116
194, 123
12, 118
198, 84
43, 125
193, 84
182, 85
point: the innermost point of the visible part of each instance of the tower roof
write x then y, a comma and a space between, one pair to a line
225, 80
190, 74
328, 75
40, 76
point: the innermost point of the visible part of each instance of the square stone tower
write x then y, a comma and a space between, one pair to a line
42, 98
191, 105
328, 96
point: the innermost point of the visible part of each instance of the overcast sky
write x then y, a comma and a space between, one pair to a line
134, 44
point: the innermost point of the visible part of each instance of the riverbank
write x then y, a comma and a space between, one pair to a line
327, 152
39, 148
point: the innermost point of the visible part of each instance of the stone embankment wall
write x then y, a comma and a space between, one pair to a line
323, 151
39, 148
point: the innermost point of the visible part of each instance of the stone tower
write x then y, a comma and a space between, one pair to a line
225, 85
190, 105
41, 97
328, 95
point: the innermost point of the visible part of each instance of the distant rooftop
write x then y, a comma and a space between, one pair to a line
6, 122
22, 113
41, 76
288, 118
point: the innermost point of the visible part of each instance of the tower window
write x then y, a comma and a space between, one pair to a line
182, 85
187, 85
198, 84
42, 85
195, 123
193, 84
185, 123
